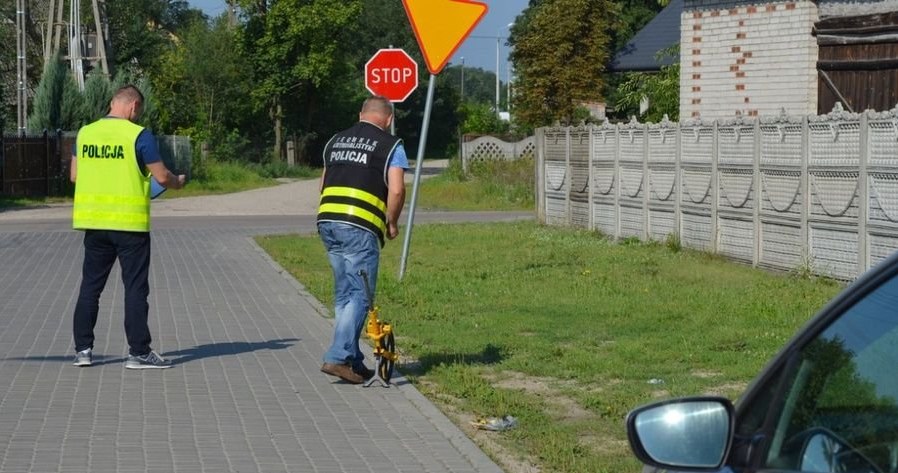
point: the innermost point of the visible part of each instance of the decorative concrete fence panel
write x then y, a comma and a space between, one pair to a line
661, 169
736, 171
882, 223
698, 185
579, 170
633, 182
783, 192
604, 182
788, 192
477, 148
557, 182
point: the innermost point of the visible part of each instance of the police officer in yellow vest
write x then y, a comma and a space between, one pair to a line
111, 168
362, 193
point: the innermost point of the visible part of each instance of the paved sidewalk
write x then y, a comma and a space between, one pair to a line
245, 394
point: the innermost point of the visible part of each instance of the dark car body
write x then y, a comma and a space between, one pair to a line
827, 402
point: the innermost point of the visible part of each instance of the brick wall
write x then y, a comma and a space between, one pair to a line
747, 59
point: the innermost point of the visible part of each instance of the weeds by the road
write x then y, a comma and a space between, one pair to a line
488, 185
564, 329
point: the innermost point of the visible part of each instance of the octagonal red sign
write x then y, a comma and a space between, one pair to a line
391, 73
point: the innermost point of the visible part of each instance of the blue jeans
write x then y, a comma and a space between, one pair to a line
349, 250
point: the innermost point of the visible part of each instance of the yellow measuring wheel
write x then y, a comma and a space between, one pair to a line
381, 333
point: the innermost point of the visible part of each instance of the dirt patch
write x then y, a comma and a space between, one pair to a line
728, 390
605, 446
706, 374
560, 406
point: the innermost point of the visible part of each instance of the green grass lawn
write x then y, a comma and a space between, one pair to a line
564, 329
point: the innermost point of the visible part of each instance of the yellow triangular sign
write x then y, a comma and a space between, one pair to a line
441, 26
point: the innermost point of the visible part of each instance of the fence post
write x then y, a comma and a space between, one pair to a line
863, 250
678, 184
539, 172
616, 181
464, 156
715, 185
567, 173
291, 154
646, 187
590, 182
756, 177
805, 189
47, 162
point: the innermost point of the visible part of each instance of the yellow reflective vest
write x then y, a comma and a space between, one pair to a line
112, 191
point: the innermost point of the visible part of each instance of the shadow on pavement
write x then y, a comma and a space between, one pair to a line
97, 359
225, 348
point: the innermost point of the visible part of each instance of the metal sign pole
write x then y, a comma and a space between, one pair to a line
421, 146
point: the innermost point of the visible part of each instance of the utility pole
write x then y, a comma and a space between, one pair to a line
101, 34
232, 13
463, 79
21, 67
75, 42
75, 36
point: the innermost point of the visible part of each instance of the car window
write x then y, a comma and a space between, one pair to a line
839, 410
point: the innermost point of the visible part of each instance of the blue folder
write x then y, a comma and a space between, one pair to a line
156, 189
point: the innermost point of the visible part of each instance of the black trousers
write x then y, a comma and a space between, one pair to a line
101, 249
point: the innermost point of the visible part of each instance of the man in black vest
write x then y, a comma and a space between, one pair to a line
362, 194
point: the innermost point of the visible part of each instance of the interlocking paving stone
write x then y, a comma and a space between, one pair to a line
245, 393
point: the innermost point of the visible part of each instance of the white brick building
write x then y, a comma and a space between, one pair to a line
748, 59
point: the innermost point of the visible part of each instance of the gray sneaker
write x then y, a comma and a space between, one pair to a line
83, 358
148, 361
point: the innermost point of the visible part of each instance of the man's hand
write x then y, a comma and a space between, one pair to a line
392, 230
182, 180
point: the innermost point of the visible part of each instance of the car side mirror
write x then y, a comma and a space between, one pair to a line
826, 452
684, 434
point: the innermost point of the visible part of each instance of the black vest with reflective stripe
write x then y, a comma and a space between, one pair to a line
355, 180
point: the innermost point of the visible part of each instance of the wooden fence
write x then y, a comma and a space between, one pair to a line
38, 165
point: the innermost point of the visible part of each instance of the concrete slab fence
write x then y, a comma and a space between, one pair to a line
818, 193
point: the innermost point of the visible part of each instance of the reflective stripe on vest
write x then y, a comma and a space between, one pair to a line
111, 192
346, 201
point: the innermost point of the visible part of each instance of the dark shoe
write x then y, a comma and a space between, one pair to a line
149, 361
343, 372
363, 371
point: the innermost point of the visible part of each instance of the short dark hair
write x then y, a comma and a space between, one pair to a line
128, 93
378, 105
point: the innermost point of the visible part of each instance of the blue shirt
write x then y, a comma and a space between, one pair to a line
399, 159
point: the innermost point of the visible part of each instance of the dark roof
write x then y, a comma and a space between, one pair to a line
660, 33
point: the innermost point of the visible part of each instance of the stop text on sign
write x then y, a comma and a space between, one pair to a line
391, 75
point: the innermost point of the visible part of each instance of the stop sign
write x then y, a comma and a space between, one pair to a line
391, 73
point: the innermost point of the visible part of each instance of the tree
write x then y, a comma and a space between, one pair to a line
560, 57
97, 95
480, 85
660, 89
294, 47
203, 90
57, 102
140, 30
71, 107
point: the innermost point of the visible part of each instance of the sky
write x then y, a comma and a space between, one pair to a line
479, 50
